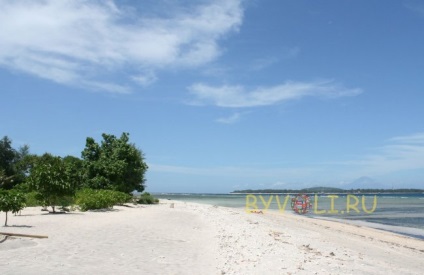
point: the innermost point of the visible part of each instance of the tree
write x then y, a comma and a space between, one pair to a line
48, 177
5, 181
11, 173
115, 164
11, 200
74, 170
7, 162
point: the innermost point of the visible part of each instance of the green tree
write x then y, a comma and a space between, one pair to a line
115, 164
11, 173
8, 157
49, 178
11, 201
74, 170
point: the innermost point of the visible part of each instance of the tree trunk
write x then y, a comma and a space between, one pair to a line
5, 223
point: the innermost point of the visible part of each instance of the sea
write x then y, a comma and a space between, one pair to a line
399, 213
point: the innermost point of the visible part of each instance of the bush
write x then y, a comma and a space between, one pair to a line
146, 198
11, 201
33, 199
50, 179
90, 199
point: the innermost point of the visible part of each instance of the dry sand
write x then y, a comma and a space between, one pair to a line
200, 239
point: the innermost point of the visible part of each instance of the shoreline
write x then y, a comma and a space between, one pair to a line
412, 232
193, 238
407, 229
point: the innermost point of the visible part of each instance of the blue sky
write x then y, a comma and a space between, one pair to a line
223, 94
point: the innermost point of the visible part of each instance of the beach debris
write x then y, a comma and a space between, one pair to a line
23, 235
172, 205
4, 239
332, 254
307, 247
276, 235
256, 211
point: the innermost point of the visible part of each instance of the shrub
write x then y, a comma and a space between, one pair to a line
90, 199
146, 198
11, 201
50, 179
33, 199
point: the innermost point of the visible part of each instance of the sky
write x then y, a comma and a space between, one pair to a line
223, 95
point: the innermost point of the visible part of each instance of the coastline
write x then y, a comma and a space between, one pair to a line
192, 238
401, 230
393, 213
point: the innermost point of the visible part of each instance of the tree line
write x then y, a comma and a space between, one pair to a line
114, 166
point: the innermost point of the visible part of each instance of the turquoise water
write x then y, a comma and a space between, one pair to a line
401, 213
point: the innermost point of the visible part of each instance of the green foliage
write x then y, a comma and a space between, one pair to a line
7, 157
115, 164
146, 198
33, 199
11, 201
115, 167
48, 177
10, 158
74, 170
90, 199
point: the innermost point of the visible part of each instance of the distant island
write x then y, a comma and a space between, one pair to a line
328, 190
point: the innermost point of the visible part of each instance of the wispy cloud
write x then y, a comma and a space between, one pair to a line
411, 139
145, 79
402, 154
239, 96
265, 62
233, 171
415, 6
262, 63
78, 42
230, 119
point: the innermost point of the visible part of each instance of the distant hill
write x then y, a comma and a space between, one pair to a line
322, 189
364, 183
329, 190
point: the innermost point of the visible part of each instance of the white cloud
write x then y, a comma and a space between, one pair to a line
265, 62
291, 53
76, 41
262, 63
401, 162
104, 86
230, 119
414, 139
239, 96
234, 171
415, 6
145, 79
403, 154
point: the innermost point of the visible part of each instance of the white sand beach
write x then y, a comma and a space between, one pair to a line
200, 239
